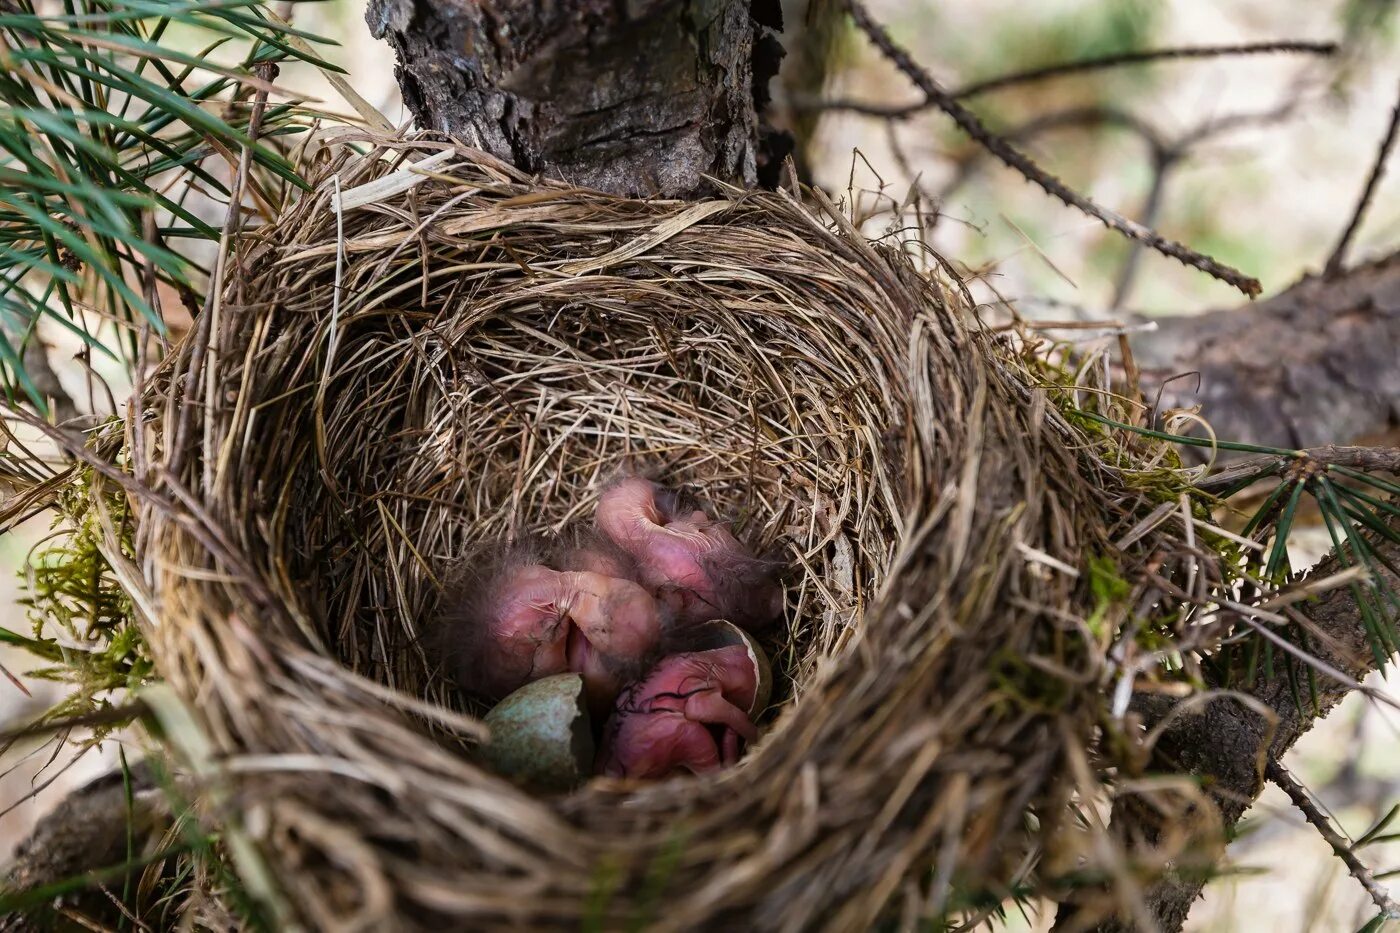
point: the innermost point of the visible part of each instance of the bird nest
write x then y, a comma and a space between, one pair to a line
416, 360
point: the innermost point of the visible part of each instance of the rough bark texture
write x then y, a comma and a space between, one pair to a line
1316, 364
90, 830
638, 98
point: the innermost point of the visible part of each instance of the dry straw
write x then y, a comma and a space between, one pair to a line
458, 355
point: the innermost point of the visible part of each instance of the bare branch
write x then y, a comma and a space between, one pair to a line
1313, 364
108, 716
1162, 163
1295, 791
1338, 257
1136, 58
1094, 115
45, 379
1119, 59
1370, 459
1003, 150
22, 334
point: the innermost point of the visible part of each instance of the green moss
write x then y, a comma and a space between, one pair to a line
81, 623
1109, 589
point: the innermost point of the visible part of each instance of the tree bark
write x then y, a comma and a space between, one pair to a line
1315, 364
91, 830
639, 98
812, 33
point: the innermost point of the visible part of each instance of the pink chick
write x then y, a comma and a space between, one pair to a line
690, 713
596, 553
690, 562
528, 621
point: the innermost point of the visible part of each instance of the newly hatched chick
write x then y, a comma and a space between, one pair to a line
594, 552
687, 560
691, 713
524, 620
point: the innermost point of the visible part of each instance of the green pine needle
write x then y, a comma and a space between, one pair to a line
103, 135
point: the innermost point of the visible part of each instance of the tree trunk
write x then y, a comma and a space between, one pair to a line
1313, 365
639, 98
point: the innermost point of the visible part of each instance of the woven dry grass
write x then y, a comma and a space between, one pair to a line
387, 387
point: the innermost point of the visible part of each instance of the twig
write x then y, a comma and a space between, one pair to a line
42, 374
1162, 163
1147, 55
112, 715
1338, 257
1097, 115
1162, 150
18, 684
1234, 121
203, 327
1368, 459
1295, 791
1003, 150
37, 366
1001, 82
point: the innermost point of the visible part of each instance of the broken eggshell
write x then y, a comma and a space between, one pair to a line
723, 634
541, 735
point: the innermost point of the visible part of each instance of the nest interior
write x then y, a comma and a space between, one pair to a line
461, 358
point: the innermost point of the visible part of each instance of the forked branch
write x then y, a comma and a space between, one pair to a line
1343, 849
999, 147
1081, 66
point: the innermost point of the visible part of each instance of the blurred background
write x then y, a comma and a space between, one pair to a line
1255, 160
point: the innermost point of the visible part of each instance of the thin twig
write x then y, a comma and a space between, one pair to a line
1147, 55
1072, 118
1367, 459
1296, 792
36, 363
18, 684
1060, 69
1162, 163
112, 715
1338, 257
203, 326
1370, 459
1003, 150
